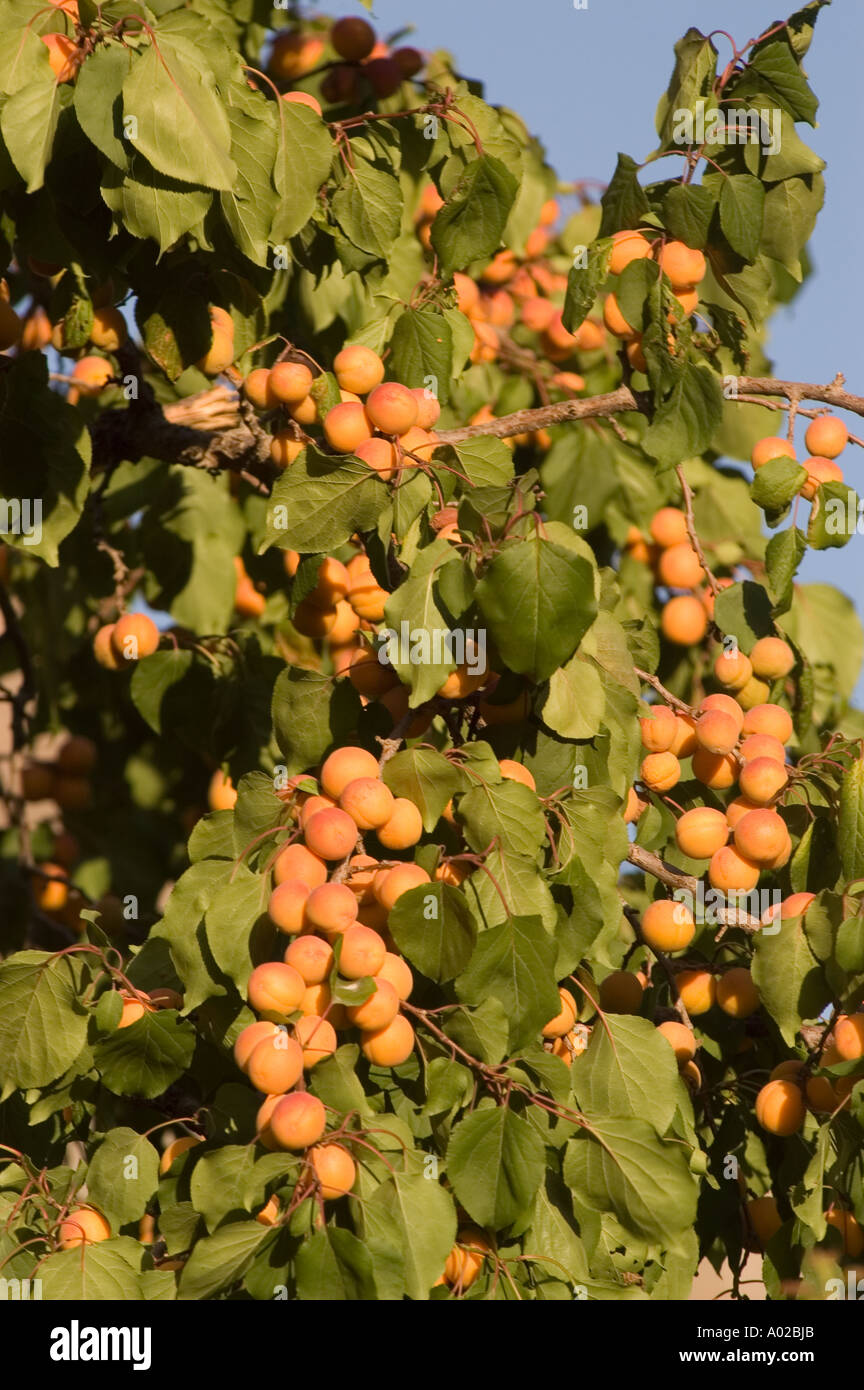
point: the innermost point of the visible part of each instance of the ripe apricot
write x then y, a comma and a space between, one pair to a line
352, 38
390, 1046
764, 1218
428, 408
689, 300
311, 957
248, 602
772, 658
684, 620
332, 908
378, 1010
715, 770
769, 719
564, 1019
621, 993
845, 1223
679, 567
681, 1039
634, 807
362, 952
297, 862
346, 426
403, 826
737, 995
684, 743
276, 1063
379, 455
62, 51
335, 1170
697, 990
849, 1037
761, 746
297, 1121
635, 356
346, 765
108, 330
358, 368
660, 771
103, 650
772, 447
667, 925
760, 835
134, 637
249, 1039
733, 669
820, 1094
330, 834
275, 990
737, 809
220, 353
826, 437
716, 731
366, 596
780, 1108
318, 1003
390, 884
723, 704
83, 1225
615, 320
293, 55
304, 99
795, 905
669, 527
732, 872
176, 1148
500, 269
262, 1122
820, 471
659, 729
317, 1037
392, 408
465, 1260
627, 247
516, 772
396, 972
790, 1070
305, 412
701, 832
289, 383
91, 375
368, 802
342, 632
762, 779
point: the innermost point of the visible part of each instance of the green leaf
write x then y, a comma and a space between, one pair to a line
219, 1260
98, 99
788, 976
100, 1273
416, 609
783, 555
482, 1031
584, 283
486, 462
687, 212
310, 712
833, 517
181, 124
514, 963
415, 1216
624, 202
145, 1058
791, 209
425, 777
250, 206
850, 831
152, 205
470, 224
219, 1181
122, 1176
42, 1024
28, 123
685, 421
495, 1162
742, 204
506, 811
633, 1072
320, 501
538, 600
303, 159
775, 69
690, 83
368, 208
422, 347
153, 681
743, 611
334, 1266
625, 1167
576, 701
776, 483
432, 925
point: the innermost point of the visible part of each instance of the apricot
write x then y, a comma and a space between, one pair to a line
133, 1009
684, 743
715, 770
764, 1218
289, 383
737, 995
275, 990
396, 972
684, 620
844, 1221
334, 1169
389, 1046
697, 990
659, 729
378, 1010
109, 329
820, 1094
761, 746
305, 412
820, 471
332, 908
262, 1122
248, 602
467, 292
733, 669
220, 353
634, 807
621, 993
297, 862
701, 832
755, 692
346, 427
826, 437
330, 834
403, 827
636, 357
516, 772
461, 683
103, 650
134, 637
537, 313
362, 952
249, 1039
61, 55
564, 1019
667, 925
392, 408
769, 719
428, 408
627, 247
389, 884
276, 1063
368, 802
772, 447
679, 567
318, 1003
312, 805
91, 375
723, 704
379, 455
732, 872
317, 1037
297, 1121
780, 1108
716, 732
590, 336
346, 765
500, 269
795, 905
660, 771
83, 1225
689, 300
760, 835
176, 1148
615, 320
342, 632
762, 779
362, 871
681, 1039
849, 1037
772, 658
683, 266
311, 957
367, 598
287, 906
465, 1260
352, 38
293, 55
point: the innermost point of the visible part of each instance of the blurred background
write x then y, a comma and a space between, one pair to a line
587, 82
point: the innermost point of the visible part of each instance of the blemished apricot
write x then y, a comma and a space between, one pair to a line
716, 731
737, 995
358, 368
697, 990
335, 1170
780, 1108
659, 729
317, 1037
403, 826
287, 906
715, 770
275, 990
615, 320
293, 55
249, 1039
733, 669
621, 993
134, 637
297, 1121
826, 437
772, 658
667, 925
397, 972
390, 1046
849, 1037
83, 1225
846, 1224
681, 1039
346, 765
176, 1148
701, 832
660, 771
103, 651
378, 1010
772, 447
684, 744
761, 746
764, 1218
368, 802
634, 807
732, 872
762, 779
390, 884
276, 1064
392, 408
723, 704
352, 38
362, 952
564, 1019
297, 862
332, 908
679, 567
684, 621
330, 834
627, 247
760, 835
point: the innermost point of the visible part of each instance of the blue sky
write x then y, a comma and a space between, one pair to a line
587, 82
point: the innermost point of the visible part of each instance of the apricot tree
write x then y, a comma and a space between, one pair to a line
434, 810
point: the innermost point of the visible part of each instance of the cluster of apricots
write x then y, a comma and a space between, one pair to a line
130, 639
782, 1103
367, 63
683, 267
676, 566
825, 439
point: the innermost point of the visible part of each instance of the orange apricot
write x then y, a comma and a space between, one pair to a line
771, 447
392, 408
276, 1063
358, 368
723, 704
367, 598
362, 952
772, 658
849, 1037
732, 872
403, 827
176, 1148
249, 1039
634, 807
780, 1108
737, 995
669, 527
795, 905
684, 743
396, 972
428, 407
346, 426
715, 770
134, 636
275, 990
679, 567
716, 732
845, 1223
516, 772
660, 771
108, 330
684, 620
826, 437
760, 835
819, 471
564, 1019
621, 993
658, 729
764, 1218
615, 320
390, 1046
330, 834
103, 650
368, 802
296, 862
334, 1169
61, 55
378, 1010
761, 746
701, 832
681, 1039
390, 884
697, 990
332, 908
297, 1121
733, 669
667, 925
317, 1037
83, 1225
346, 765
379, 455
738, 809
683, 266
627, 247
311, 957
293, 55
769, 719
369, 676
465, 1260
762, 779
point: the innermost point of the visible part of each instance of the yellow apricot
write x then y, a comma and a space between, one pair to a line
772, 658
659, 729
684, 620
334, 1169
780, 1108
403, 827
681, 1039
298, 1120
772, 447
723, 704
826, 437
564, 1019
311, 957
697, 990
737, 994
332, 908
667, 925
660, 771
317, 1037
615, 320
762, 779
396, 972
390, 1046
276, 1063
701, 832
465, 1260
